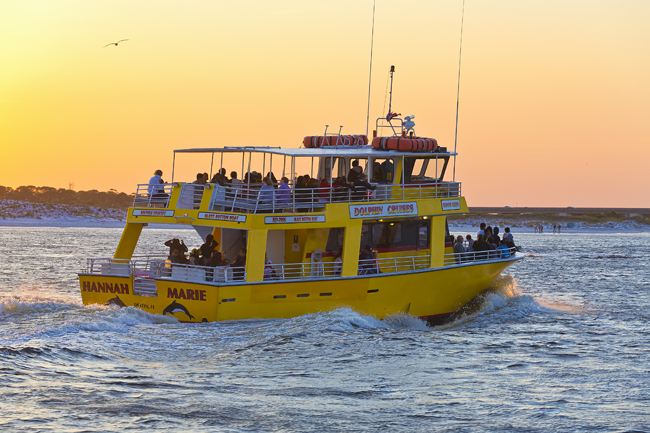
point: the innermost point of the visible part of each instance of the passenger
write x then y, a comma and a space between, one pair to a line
233, 179
342, 188
495, 235
481, 231
176, 244
375, 263
175, 256
206, 177
355, 171
324, 191
493, 247
507, 236
338, 263
271, 176
266, 195
199, 179
269, 273
503, 250
216, 259
155, 190
361, 186
365, 264
377, 172
195, 257
470, 243
209, 247
459, 250
223, 173
239, 262
283, 195
481, 248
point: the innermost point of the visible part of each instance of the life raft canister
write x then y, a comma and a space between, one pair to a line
334, 140
405, 144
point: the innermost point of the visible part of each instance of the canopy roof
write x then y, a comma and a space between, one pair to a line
359, 151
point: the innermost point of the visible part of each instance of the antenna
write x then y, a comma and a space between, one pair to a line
460, 53
390, 99
372, 39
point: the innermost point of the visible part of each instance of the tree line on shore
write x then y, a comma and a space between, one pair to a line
46, 194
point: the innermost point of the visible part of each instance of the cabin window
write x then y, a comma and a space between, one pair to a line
335, 239
339, 168
386, 234
418, 169
383, 171
365, 235
423, 235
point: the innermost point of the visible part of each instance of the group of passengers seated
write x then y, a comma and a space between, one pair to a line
307, 192
487, 245
207, 255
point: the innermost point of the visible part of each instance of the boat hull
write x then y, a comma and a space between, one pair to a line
431, 294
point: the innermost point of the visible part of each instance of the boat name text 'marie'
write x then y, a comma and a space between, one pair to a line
384, 210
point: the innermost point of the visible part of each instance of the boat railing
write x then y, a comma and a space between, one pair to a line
148, 270
315, 270
472, 256
105, 266
191, 195
252, 199
394, 264
218, 274
148, 195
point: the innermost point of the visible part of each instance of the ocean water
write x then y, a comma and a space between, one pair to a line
561, 342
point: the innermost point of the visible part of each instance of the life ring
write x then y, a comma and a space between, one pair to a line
405, 144
334, 140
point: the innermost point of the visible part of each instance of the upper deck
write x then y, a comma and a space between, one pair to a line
406, 178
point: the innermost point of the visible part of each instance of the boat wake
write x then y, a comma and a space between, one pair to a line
29, 318
502, 299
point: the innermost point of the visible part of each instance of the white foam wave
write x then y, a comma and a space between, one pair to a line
34, 318
503, 299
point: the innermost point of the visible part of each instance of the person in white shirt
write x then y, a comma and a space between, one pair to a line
154, 183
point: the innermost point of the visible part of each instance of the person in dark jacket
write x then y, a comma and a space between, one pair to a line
176, 244
209, 246
481, 247
361, 185
239, 262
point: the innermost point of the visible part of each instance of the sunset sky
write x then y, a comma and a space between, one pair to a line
554, 95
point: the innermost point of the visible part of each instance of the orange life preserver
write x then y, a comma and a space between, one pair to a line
405, 144
334, 140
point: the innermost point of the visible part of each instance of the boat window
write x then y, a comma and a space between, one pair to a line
383, 170
365, 235
424, 169
335, 239
339, 168
423, 235
386, 234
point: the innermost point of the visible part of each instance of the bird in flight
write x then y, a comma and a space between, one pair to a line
115, 43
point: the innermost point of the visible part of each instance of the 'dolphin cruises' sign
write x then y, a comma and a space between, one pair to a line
383, 210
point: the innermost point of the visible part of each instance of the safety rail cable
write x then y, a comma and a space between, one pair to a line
147, 195
191, 195
473, 256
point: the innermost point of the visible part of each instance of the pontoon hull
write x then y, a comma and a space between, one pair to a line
430, 294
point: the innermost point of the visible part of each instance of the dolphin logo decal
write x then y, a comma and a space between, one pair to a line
116, 301
175, 307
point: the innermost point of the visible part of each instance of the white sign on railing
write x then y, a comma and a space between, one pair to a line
450, 204
294, 219
384, 210
153, 212
222, 217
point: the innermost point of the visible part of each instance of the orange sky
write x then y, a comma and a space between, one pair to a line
555, 95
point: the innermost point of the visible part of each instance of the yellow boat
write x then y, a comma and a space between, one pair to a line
301, 231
